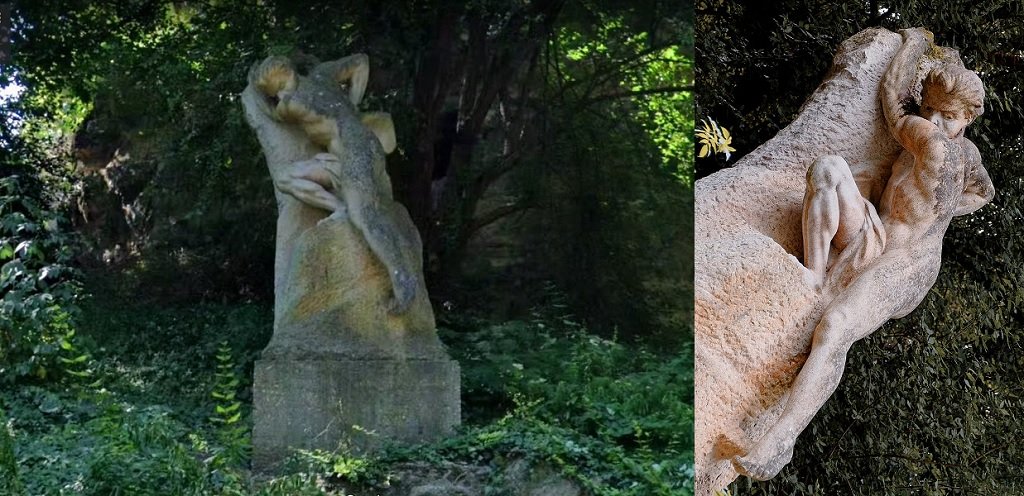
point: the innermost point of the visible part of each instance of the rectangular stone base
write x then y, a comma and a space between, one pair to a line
352, 405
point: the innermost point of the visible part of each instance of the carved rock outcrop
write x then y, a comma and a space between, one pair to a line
756, 309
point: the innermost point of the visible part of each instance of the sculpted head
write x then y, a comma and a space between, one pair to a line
318, 99
951, 98
274, 76
278, 81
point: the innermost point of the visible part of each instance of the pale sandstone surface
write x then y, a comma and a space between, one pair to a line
341, 371
313, 249
755, 309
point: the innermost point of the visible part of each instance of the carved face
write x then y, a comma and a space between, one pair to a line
947, 114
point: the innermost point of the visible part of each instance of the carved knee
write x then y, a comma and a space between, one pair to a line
827, 172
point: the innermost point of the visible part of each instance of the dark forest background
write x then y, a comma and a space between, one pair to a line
929, 404
545, 154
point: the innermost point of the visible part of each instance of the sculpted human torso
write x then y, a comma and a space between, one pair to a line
923, 191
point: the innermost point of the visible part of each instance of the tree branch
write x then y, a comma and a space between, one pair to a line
618, 67
649, 91
5, 32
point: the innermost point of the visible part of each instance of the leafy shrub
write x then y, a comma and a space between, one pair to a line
148, 431
9, 481
615, 418
78, 441
38, 289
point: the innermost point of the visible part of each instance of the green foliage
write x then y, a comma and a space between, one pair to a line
159, 83
343, 465
171, 352
614, 418
645, 79
39, 289
149, 430
232, 434
100, 446
172, 415
10, 483
615, 229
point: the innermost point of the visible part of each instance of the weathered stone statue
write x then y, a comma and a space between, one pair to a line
881, 185
354, 359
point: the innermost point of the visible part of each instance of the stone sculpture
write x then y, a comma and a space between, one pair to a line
354, 359
863, 191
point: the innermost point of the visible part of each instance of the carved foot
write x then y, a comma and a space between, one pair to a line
405, 286
765, 461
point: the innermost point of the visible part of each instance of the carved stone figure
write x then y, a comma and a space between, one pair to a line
354, 349
356, 183
878, 198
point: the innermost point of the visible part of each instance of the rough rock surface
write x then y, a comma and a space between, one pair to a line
332, 302
755, 309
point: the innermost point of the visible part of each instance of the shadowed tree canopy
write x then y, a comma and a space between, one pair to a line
926, 402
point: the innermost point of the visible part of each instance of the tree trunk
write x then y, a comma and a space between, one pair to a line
434, 78
489, 71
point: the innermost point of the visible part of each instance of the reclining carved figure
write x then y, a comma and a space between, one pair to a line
874, 182
894, 251
350, 180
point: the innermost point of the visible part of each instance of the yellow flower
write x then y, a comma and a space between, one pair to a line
714, 138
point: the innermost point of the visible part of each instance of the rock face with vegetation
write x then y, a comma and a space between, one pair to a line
757, 307
345, 358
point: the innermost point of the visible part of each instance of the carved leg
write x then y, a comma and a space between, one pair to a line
380, 227
894, 285
833, 212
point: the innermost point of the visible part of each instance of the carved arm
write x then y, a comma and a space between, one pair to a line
898, 82
978, 188
353, 70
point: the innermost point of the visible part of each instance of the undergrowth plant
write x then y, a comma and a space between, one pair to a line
232, 433
10, 483
39, 291
615, 418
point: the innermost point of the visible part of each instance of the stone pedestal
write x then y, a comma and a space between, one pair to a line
350, 404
